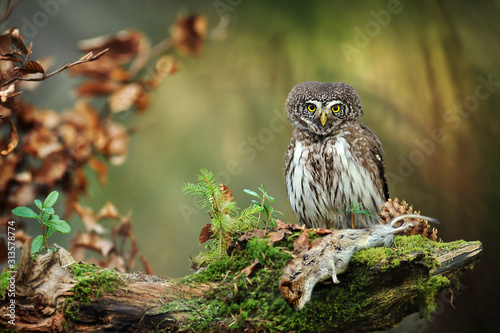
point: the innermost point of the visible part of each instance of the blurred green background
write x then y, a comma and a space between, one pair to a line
427, 73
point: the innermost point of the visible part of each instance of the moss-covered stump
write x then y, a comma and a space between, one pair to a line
380, 288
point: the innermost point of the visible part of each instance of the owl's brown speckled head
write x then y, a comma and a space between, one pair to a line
320, 107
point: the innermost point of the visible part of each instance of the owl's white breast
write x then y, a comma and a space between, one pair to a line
343, 181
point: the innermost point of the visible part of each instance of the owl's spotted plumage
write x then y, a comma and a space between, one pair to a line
332, 160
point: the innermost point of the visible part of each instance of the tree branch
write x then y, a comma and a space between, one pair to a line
53, 295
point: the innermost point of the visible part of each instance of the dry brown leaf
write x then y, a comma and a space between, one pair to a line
125, 97
122, 46
301, 243
4, 112
48, 119
108, 211
13, 138
100, 168
321, 231
18, 40
84, 116
23, 195
116, 143
147, 266
88, 219
41, 142
94, 242
31, 67
276, 237
125, 228
96, 88
206, 233
166, 65
249, 269
189, 33
115, 261
8, 166
53, 169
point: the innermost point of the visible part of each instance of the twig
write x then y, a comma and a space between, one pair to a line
89, 57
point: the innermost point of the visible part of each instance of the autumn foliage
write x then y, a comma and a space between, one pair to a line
44, 150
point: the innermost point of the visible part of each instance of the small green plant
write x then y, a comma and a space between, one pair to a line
269, 211
226, 218
47, 219
357, 209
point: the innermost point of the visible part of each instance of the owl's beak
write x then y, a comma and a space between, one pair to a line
323, 117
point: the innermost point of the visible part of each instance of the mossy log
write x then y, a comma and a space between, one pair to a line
381, 287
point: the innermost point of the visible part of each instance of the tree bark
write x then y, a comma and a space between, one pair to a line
45, 297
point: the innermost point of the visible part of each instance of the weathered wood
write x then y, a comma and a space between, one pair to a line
45, 300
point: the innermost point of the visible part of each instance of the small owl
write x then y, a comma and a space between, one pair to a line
333, 162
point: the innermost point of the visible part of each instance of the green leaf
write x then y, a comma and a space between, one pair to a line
25, 212
38, 203
59, 225
48, 210
252, 193
49, 232
270, 198
51, 199
37, 244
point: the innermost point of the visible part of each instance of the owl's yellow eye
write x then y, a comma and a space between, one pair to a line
311, 107
336, 108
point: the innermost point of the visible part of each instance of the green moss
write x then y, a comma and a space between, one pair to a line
5, 329
243, 298
4, 283
93, 281
428, 290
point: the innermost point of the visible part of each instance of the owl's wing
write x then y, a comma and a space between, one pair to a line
375, 152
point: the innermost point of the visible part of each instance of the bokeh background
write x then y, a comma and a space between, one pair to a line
427, 73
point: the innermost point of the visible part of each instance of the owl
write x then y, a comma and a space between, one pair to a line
333, 162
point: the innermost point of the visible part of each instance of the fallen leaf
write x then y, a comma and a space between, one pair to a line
276, 236
249, 269
301, 243
321, 231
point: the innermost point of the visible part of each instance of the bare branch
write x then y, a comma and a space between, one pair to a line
89, 57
